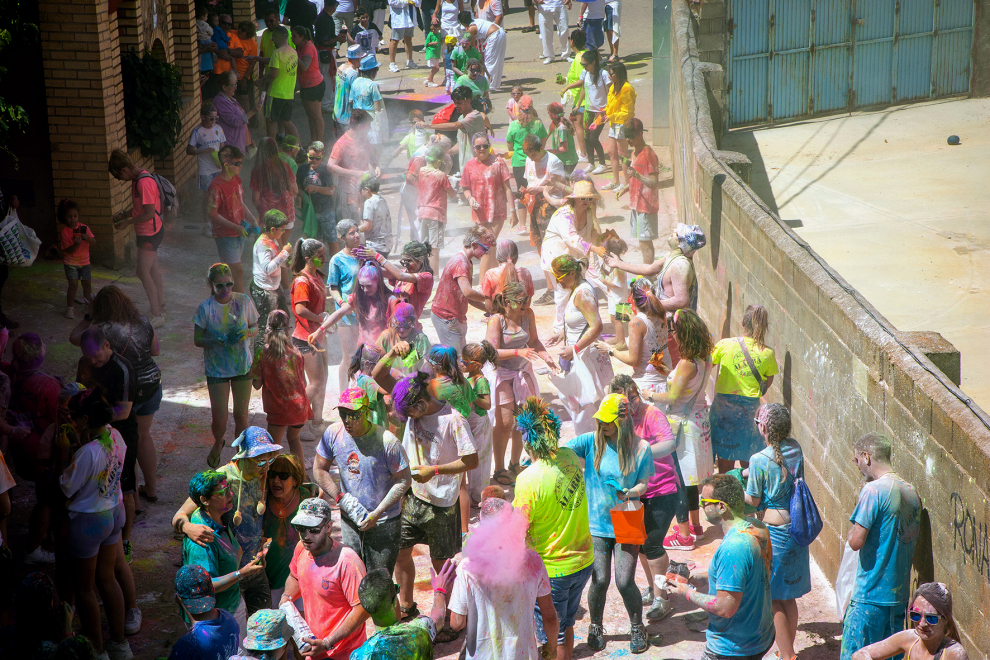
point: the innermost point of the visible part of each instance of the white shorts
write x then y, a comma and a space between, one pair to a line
433, 62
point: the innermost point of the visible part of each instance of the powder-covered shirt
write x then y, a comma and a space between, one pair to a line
459, 396
653, 427
402, 641
352, 154
268, 261
365, 93
342, 273
492, 282
67, 239
92, 480
734, 374
552, 493
771, 483
431, 196
226, 199
500, 623
203, 137
367, 465
379, 237
438, 440
450, 303
486, 181
890, 509
515, 135
144, 190
417, 293
246, 495
642, 198
230, 320
277, 526
562, 144
220, 557
214, 639
283, 389
329, 585
307, 290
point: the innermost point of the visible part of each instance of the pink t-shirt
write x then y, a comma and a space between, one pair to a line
145, 191
67, 238
491, 284
329, 586
654, 427
417, 292
487, 186
310, 77
431, 196
449, 303
368, 332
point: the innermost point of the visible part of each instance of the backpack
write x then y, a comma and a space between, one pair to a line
166, 194
806, 522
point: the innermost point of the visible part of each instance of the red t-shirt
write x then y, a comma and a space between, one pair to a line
449, 303
281, 200
491, 284
416, 163
283, 390
352, 155
145, 191
67, 238
310, 77
309, 291
641, 198
487, 186
227, 199
329, 585
431, 198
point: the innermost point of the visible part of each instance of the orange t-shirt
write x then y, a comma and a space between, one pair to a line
250, 48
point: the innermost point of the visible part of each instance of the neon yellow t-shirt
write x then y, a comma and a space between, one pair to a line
286, 61
735, 376
552, 492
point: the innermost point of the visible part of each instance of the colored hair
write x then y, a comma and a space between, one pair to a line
63, 209
111, 305
420, 252
278, 338
344, 226
92, 338
203, 485
625, 443
272, 172
565, 263
360, 356
727, 489
408, 392
507, 252
372, 309
444, 361
305, 249
288, 463
218, 270
369, 181
93, 405
646, 300
755, 322
376, 590
274, 219
482, 352
693, 337
511, 291
540, 428
476, 234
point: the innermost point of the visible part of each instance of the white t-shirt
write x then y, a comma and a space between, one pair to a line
345, 7
436, 440
268, 262
595, 10
595, 96
549, 166
500, 619
376, 211
207, 137
92, 480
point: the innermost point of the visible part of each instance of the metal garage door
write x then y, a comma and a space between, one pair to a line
794, 58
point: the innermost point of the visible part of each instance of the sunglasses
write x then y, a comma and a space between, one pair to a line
236, 163
560, 278
404, 325
586, 199
311, 531
226, 24
705, 500
284, 476
263, 463
348, 414
482, 147
222, 491
314, 157
220, 286
930, 619
406, 263
483, 247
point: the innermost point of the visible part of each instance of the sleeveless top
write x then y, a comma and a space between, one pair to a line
574, 322
513, 339
692, 289
682, 407
654, 340
483, 28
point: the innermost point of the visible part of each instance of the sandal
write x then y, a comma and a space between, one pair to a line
505, 477
143, 495
516, 468
213, 460
445, 635
408, 613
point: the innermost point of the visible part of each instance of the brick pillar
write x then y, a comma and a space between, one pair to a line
244, 10
83, 88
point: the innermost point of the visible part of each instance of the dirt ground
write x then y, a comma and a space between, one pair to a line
35, 297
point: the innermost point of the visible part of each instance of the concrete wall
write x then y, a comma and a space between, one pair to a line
843, 372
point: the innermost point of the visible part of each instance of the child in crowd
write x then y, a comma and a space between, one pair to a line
377, 225
562, 137
431, 51
433, 189
449, 384
414, 139
464, 52
448, 66
279, 372
204, 143
231, 218
616, 286
74, 239
473, 357
359, 375
512, 105
204, 37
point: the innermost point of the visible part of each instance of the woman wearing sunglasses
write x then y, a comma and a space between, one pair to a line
224, 326
287, 487
933, 635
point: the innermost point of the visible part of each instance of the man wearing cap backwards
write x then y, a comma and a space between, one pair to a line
374, 475
214, 632
327, 575
247, 474
678, 285
644, 184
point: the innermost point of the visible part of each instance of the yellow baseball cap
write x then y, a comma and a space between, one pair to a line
612, 407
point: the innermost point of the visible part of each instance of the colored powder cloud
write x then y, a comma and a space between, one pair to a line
495, 552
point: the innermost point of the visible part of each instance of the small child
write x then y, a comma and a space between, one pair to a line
204, 143
562, 137
449, 384
414, 139
74, 239
204, 37
448, 66
617, 287
464, 52
359, 375
431, 51
377, 225
279, 372
473, 357
433, 190
512, 106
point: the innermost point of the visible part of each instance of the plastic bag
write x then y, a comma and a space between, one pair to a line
300, 629
845, 580
588, 378
19, 245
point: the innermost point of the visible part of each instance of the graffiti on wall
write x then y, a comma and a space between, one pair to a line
970, 536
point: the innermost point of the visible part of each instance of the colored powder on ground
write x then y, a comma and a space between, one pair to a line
495, 552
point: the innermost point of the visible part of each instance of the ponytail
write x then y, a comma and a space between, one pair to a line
483, 352
755, 322
645, 299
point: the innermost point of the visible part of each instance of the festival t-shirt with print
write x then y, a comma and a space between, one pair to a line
770, 483
450, 303
213, 639
431, 196
367, 464
342, 273
438, 440
329, 585
734, 374
552, 493
283, 389
890, 509
653, 427
220, 557
403, 641
226, 199
500, 618
286, 60
67, 238
246, 496
203, 137
487, 185
642, 198
92, 480
227, 320
742, 564
277, 526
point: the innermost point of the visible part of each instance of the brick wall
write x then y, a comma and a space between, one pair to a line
842, 371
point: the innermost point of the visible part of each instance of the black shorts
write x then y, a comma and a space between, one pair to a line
304, 346
128, 477
152, 242
278, 109
313, 93
519, 174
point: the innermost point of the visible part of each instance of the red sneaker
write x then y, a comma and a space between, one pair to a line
696, 530
677, 542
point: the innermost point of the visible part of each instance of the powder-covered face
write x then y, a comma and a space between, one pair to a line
923, 628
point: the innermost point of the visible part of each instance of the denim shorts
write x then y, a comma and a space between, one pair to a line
218, 380
151, 406
566, 593
89, 531
616, 131
206, 179
595, 32
77, 272
230, 249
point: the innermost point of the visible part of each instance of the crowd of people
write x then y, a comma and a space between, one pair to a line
422, 433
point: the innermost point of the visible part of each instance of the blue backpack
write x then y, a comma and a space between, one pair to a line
806, 522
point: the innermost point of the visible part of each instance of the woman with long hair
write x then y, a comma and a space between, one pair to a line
131, 335
272, 184
506, 254
402, 329
311, 82
448, 384
224, 325
359, 375
270, 259
342, 275
617, 468
769, 487
279, 371
512, 331
414, 283
287, 487
593, 95
309, 299
647, 342
933, 636
687, 412
582, 327
745, 367
96, 518
620, 108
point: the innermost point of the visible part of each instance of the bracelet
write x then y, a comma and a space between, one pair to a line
436, 470
441, 590
337, 499
237, 575
515, 352
611, 353
180, 526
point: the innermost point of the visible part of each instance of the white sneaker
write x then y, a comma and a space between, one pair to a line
410, 64
118, 651
582, 158
548, 60
132, 622
598, 170
661, 609
39, 556
393, 67
570, 59
431, 84
70, 313
157, 321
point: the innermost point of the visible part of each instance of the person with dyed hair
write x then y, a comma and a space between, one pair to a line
935, 633
473, 358
270, 259
273, 186
485, 185
411, 343
224, 325
414, 283
309, 299
454, 293
448, 384
368, 302
551, 492
561, 137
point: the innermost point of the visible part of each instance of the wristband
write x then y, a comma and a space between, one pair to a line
180, 526
237, 575
436, 470
611, 353
337, 499
380, 259
515, 352
440, 589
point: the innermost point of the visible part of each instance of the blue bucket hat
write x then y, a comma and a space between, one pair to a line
355, 52
690, 237
368, 63
266, 631
194, 587
254, 441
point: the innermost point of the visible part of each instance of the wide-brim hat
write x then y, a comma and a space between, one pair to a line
584, 189
368, 63
254, 441
266, 631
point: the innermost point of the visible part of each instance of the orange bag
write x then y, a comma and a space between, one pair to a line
628, 522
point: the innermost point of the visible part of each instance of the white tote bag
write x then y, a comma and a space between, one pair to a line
19, 245
845, 580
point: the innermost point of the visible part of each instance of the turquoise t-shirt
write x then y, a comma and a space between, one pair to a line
342, 273
601, 485
890, 509
219, 558
742, 564
517, 133
767, 482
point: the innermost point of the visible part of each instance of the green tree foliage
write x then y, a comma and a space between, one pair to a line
152, 103
16, 34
